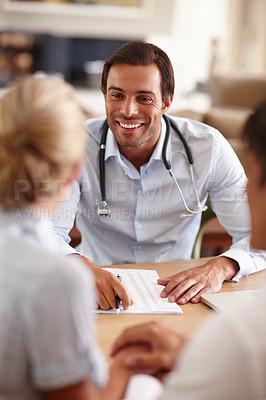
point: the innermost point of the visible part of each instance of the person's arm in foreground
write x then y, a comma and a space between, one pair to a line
217, 363
87, 390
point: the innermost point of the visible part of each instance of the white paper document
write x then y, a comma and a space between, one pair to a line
143, 288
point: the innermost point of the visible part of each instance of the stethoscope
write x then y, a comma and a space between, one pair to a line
103, 208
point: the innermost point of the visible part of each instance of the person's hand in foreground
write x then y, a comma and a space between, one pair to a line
160, 344
189, 285
108, 286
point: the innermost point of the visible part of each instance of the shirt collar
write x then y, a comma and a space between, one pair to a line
157, 153
113, 150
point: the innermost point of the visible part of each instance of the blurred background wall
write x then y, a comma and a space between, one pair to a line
74, 37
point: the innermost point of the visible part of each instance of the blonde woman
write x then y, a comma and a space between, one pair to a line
47, 345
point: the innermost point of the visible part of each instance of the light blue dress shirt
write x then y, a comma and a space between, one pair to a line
145, 223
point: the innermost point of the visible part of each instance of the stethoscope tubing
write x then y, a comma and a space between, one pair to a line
169, 123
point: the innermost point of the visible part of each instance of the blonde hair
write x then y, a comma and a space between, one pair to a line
41, 138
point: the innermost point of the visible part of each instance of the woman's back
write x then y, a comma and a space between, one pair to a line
46, 329
46, 320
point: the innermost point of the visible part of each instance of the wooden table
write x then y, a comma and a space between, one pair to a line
109, 326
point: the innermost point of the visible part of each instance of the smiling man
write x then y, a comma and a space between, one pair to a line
134, 111
130, 209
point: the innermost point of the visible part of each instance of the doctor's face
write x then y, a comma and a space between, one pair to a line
134, 105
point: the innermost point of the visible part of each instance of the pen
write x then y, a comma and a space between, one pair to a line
117, 298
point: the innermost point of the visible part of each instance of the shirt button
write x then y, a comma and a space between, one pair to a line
139, 225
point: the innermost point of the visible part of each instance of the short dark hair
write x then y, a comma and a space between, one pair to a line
255, 135
143, 53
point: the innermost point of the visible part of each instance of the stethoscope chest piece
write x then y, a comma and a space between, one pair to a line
103, 210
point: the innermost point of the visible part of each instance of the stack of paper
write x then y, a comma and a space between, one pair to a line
143, 288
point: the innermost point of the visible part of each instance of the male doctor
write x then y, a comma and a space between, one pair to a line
150, 215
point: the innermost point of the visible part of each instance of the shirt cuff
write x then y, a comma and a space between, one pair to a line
244, 260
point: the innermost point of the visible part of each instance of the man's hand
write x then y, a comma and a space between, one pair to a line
108, 286
158, 346
191, 284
